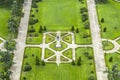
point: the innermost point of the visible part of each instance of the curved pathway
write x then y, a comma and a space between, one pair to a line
116, 46
96, 41
58, 54
20, 46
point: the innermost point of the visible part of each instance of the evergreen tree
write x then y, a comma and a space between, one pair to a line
77, 30
40, 30
79, 61
72, 29
45, 28
37, 61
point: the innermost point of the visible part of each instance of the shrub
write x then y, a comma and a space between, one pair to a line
43, 63
31, 30
86, 54
27, 68
84, 17
33, 55
90, 57
82, 10
86, 25
33, 21
105, 29
73, 62
91, 78
32, 15
111, 59
34, 5
24, 78
36, 35
77, 30
85, 36
102, 20
25, 56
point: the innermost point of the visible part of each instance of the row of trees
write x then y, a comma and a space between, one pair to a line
13, 24
101, 1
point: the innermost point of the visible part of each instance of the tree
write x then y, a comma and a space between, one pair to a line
77, 30
37, 61
111, 59
40, 29
73, 62
105, 29
102, 20
72, 29
45, 28
8, 73
114, 73
79, 61
43, 63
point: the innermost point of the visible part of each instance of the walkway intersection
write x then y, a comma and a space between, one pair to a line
58, 54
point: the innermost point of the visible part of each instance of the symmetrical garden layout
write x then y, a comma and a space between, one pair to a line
55, 41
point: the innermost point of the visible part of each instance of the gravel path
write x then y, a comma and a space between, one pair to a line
20, 46
96, 41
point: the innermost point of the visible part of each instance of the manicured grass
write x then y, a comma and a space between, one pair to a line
62, 15
80, 40
49, 39
61, 72
34, 40
1, 41
4, 16
58, 14
68, 53
118, 41
63, 46
52, 59
31, 54
107, 45
68, 38
48, 53
115, 60
87, 64
110, 11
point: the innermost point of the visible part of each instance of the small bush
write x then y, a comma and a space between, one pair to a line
34, 5
86, 25
33, 21
90, 57
91, 78
25, 56
27, 68
24, 78
32, 15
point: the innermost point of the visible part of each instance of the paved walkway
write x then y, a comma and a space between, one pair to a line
116, 46
2, 44
96, 41
58, 54
18, 54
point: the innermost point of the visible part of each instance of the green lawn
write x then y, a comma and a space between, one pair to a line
34, 40
110, 11
68, 53
118, 41
4, 16
48, 53
116, 59
107, 45
63, 71
61, 15
1, 41
49, 39
58, 14
68, 38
